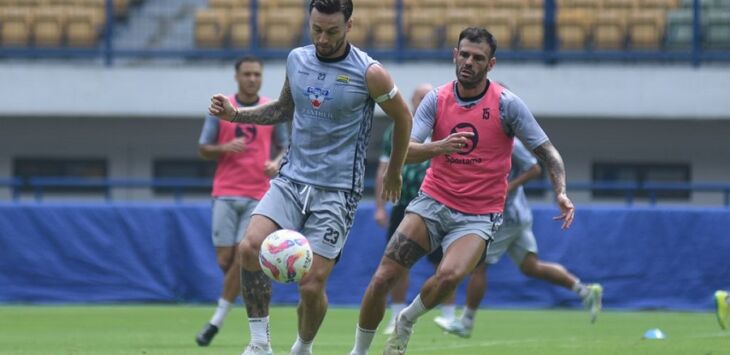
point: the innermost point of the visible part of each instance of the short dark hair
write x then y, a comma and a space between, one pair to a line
478, 35
332, 7
248, 59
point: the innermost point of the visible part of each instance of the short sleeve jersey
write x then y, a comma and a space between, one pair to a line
333, 114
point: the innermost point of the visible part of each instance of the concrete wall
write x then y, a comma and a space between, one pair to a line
580, 91
130, 145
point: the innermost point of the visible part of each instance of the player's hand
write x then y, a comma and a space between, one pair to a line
271, 168
455, 142
392, 182
220, 107
381, 217
567, 211
235, 146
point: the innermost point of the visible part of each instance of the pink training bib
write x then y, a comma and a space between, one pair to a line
473, 180
242, 174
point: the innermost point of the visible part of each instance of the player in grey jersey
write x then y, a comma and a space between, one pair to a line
329, 94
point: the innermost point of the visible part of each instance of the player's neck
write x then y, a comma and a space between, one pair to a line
336, 57
247, 100
471, 93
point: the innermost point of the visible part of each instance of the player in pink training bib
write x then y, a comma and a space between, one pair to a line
472, 122
244, 167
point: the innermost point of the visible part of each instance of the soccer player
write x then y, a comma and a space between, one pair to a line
515, 237
722, 305
412, 176
329, 95
472, 122
242, 175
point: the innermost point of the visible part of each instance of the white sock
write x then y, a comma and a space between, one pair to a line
580, 289
448, 311
396, 308
414, 310
259, 328
467, 318
363, 339
221, 312
301, 347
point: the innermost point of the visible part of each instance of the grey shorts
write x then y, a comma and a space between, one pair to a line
323, 216
515, 239
445, 225
230, 219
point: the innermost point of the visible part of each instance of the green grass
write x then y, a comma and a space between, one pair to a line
170, 330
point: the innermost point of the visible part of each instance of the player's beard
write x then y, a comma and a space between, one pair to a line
329, 51
472, 79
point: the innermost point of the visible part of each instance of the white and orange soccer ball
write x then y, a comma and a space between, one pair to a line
285, 256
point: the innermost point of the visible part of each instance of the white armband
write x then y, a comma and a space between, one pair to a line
385, 97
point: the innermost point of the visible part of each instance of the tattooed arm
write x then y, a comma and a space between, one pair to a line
553, 162
274, 112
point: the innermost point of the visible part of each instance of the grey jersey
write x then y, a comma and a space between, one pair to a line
333, 114
517, 120
516, 209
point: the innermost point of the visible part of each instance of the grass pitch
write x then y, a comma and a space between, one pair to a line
66, 330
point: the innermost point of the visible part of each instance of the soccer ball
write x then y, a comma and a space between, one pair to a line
285, 256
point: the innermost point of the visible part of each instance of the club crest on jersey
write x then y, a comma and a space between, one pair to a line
317, 96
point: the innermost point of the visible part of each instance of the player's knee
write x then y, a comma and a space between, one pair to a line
448, 278
383, 281
247, 252
529, 268
311, 288
224, 262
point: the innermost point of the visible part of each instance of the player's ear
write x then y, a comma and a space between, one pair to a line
456, 52
348, 25
492, 62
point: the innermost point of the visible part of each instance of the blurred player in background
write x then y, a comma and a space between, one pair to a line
412, 176
329, 95
722, 307
472, 122
516, 238
242, 175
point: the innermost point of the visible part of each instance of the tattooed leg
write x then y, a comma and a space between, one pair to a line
255, 286
256, 292
409, 244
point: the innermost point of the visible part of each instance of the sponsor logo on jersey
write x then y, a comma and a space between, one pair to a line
470, 146
247, 131
321, 76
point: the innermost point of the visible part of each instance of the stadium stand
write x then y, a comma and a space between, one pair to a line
573, 27
240, 30
581, 25
282, 24
517, 24
530, 28
56, 23
647, 28
609, 30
